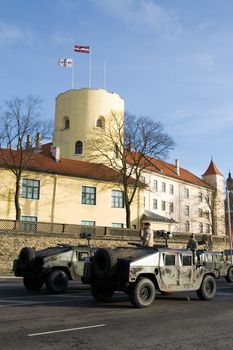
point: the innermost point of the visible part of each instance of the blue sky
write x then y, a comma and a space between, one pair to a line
170, 60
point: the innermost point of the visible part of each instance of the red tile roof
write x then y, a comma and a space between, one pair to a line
212, 170
43, 162
160, 167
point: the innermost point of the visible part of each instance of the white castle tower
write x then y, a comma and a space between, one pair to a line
216, 180
77, 114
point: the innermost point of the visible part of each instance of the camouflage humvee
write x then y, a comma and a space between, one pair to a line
217, 260
139, 272
54, 266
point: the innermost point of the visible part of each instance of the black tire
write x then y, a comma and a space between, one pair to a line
101, 293
229, 276
143, 293
104, 263
33, 284
27, 259
56, 281
208, 288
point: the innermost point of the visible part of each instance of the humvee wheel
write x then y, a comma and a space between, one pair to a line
101, 293
143, 293
56, 281
33, 284
229, 276
208, 288
27, 259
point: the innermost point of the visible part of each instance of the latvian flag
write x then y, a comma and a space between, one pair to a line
83, 49
65, 62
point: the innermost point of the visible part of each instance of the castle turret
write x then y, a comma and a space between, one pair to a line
215, 179
77, 114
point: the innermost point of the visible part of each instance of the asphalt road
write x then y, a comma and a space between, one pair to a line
73, 320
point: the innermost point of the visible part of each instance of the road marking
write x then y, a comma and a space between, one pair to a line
66, 330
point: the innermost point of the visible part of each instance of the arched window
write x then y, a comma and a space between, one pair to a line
79, 147
66, 123
100, 122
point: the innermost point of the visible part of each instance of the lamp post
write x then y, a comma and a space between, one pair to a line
229, 188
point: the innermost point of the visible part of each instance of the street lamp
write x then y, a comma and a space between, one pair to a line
229, 188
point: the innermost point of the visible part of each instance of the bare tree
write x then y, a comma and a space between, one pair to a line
129, 145
213, 204
21, 132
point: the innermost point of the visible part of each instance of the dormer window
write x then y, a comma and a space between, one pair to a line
100, 122
79, 147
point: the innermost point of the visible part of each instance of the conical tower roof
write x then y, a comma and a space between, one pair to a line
212, 170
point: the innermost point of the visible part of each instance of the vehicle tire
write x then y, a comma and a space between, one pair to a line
33, 284
229, 276
104, 263
56, 281
143, 293
27, 259
208, 288
102, 294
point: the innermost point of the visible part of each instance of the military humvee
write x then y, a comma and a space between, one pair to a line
217, 260
54, 266
139, 272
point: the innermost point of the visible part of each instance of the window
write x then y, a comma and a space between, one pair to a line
200, 197
30, 189
163, 184
29, 223
117, 200
66, 123
186, 260
187, 226
186, 210
186, 193
207, 228
88, 195
155, 185
82, 256
155, 204
171, 189
142, 179
171, 208
207, 214
169, 260
87, 223
163, 205
134, 227
200, 213
100, 122
79, 147
201, 227
117, 225
116, 150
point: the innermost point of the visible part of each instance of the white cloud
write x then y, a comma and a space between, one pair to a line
10, 33
143, 13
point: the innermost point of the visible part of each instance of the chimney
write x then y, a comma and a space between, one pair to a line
28, 143
38, 141
19, 145
177, 164
55, 150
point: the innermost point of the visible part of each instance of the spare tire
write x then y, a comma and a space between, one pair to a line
104, 263
27, 259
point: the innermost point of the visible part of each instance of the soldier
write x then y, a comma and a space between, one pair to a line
192, 243
148, 236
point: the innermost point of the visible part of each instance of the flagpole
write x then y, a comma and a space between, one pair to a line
104, 75
72, 74
90, 69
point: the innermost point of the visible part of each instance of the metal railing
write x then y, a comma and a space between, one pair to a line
70, 229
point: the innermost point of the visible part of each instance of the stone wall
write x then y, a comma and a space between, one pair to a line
12, 243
